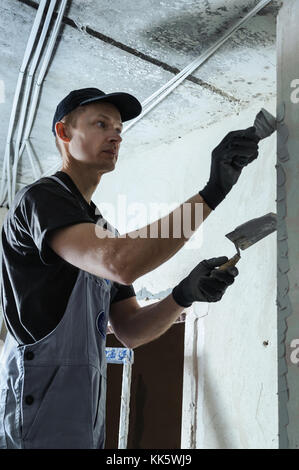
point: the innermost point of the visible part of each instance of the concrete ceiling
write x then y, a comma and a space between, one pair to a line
136, 47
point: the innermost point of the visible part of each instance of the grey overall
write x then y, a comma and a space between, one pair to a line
53, 392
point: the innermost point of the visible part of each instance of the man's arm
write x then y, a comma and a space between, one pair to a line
124, 259
134, 325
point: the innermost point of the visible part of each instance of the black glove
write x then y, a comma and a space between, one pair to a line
234, 152
204, 283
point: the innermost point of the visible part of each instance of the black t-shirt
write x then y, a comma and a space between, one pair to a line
36, 282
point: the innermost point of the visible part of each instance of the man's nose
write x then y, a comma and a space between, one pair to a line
115, 137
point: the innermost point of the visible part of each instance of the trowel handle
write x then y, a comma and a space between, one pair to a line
231, 262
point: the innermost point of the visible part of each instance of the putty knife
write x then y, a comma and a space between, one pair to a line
248, 234
265, 124
254, 230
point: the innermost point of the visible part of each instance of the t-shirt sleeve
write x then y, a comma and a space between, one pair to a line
42, 209
121, 292
118, 291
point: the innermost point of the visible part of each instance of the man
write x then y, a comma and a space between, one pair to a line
62, 277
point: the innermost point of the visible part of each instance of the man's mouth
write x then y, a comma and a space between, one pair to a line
112, 152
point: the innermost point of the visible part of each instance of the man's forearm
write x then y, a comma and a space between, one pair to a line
149, 247
150, 322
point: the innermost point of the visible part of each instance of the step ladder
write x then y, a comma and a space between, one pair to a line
125, 357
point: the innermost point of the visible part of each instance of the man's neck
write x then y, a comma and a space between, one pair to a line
86, 182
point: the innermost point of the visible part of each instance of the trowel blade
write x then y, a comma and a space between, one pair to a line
250, 232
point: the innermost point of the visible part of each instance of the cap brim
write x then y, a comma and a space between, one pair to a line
128, 106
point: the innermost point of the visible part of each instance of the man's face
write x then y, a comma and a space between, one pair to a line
96, 138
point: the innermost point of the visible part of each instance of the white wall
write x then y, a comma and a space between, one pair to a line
230, 381
234, 396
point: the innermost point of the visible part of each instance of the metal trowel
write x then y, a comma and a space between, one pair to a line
248, 234
254, 230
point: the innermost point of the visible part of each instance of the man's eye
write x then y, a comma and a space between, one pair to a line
101, 122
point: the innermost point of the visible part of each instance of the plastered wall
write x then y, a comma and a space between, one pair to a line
230, 377
230, 381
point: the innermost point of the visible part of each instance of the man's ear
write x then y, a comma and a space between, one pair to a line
61, 131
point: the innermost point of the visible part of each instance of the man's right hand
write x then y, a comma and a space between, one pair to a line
234, 152
205, 283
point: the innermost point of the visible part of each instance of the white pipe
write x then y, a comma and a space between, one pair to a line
44, 68
6, 159
26, 96
30, 155
41, 76
52, 170
175, 81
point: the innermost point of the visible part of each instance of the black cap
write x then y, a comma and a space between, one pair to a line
128, 106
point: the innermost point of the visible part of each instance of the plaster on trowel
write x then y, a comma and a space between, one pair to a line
265, 124
254, 230
248, 234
